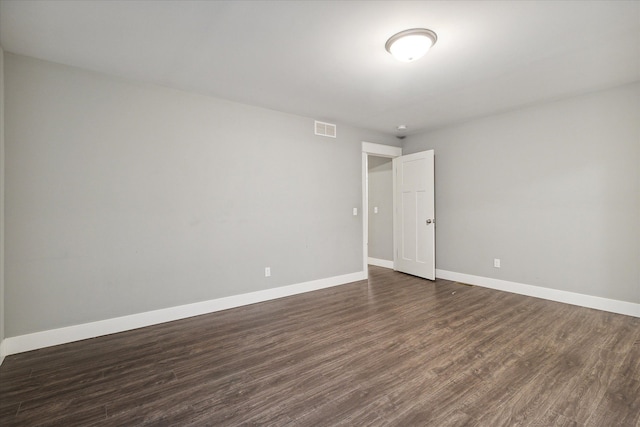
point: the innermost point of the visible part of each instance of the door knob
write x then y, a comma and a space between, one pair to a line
428, 221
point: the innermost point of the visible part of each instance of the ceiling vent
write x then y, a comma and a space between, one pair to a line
325, 129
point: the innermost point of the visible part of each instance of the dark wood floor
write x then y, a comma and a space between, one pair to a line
395, 350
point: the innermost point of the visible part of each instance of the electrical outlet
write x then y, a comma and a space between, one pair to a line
375, 209
355, 211
267, 272
496, 262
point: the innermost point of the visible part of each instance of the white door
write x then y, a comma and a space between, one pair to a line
414, 221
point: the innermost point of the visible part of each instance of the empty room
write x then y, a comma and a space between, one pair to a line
319, 213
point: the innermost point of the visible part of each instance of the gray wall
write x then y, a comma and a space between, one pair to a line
2, 333
123, 197
553, 190
380, 195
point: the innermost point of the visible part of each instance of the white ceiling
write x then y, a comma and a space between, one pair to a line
326, 59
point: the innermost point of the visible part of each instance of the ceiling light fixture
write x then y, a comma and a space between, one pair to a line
409, 45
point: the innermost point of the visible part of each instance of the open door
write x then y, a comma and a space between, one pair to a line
414, 219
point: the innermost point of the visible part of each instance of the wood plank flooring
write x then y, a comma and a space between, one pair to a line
395, 350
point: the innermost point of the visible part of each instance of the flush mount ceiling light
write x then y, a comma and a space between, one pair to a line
410, 45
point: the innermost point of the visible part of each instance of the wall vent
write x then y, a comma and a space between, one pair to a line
325, 129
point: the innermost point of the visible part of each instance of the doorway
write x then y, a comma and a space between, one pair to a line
379, 151
413, 209
380, 211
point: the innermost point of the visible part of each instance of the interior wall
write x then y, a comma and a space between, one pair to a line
380, 196
2, 252
552, 190
123, 197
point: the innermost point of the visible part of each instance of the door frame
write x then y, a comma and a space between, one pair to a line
378, 150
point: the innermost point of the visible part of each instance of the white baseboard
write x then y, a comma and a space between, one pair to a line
380, 262
599, 303
34, 341
22, 343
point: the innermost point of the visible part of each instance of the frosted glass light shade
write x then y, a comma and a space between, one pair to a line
410, 45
